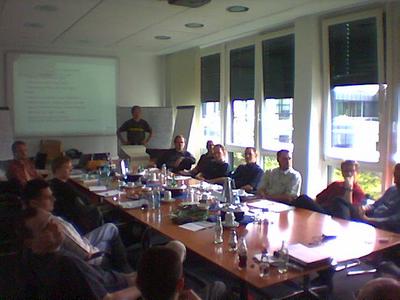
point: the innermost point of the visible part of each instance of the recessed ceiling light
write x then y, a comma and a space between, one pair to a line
237, 8
46, 7
33, 25
162, 37
194, 25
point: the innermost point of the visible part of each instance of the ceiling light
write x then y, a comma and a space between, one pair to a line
237, 8
46, 7
162, 37
33, 25
194, 25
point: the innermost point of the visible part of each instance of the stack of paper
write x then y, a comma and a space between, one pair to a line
308, 257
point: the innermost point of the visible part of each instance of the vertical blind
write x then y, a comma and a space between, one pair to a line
353, 53
210, 78
278, 67
242, 73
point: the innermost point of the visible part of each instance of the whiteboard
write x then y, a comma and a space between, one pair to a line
160, 120
6, 134
183, 122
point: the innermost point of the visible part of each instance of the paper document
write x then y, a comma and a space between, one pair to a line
110, 193
270, 206
134, 150
196, 226
97, 188
307, 256
133, 204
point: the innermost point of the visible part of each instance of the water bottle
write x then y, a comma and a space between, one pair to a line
283, 259
232, 241
219, 231
242, 253
264, 264
156, 198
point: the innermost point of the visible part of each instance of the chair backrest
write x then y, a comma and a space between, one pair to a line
52, 148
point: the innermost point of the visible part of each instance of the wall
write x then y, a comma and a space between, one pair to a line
141, 81
183, 88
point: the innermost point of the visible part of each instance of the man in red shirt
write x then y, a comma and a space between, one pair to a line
340, 198
21, 168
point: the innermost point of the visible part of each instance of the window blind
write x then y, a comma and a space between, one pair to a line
242, 73
210, 78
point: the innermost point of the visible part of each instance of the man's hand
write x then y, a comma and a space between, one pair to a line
349, 182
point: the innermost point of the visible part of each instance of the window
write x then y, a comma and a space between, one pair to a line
236, 159
242, 104
269, 162
278, 74
210, 98
355, 90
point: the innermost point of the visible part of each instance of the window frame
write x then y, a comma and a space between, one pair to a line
268, 36
327, 122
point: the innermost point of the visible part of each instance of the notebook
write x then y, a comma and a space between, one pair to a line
308, 257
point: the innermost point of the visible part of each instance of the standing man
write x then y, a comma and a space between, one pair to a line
136, 129
21, 169
282, 183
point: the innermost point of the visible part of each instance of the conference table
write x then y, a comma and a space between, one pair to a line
352, 239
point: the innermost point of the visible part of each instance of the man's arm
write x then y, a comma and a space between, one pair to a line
119, 135
348, 189
150, 131
263, 186
130, 293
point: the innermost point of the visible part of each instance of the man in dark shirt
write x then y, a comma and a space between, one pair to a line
69, 204
178, 158
248, 176
217, 169
136, 129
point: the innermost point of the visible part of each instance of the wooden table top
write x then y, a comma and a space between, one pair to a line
353, 239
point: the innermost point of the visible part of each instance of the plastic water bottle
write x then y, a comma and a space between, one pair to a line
283, 258
232, 241
264, 264
157, 198
219, 231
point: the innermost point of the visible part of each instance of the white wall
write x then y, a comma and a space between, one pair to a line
141, 82
183, 88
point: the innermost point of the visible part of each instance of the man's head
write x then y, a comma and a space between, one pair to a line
39, 231
380, 288
250, 155
136, 112
210, 146
349, 168
219, 152
62, 167
396, 175
179, 142
19, 150
284, 159
152, 282
37, 194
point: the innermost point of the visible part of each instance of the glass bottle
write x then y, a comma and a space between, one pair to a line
283, 258
242, 253
264, 264
232, 241
157, 197
219, 231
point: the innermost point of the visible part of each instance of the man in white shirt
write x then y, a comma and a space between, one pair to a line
103, 239
282, 183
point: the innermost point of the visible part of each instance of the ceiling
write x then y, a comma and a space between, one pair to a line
133, 24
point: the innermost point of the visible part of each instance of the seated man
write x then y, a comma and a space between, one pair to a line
155, 285
105, 238
385, 212
249, 175
340, 199
217, 169
69, 204
21, 168
282, 183
178, 159
380, 288
49, 272
203, 161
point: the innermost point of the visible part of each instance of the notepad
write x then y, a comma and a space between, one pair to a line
97, 188
196, 226
308, 257
133, 204
270, 206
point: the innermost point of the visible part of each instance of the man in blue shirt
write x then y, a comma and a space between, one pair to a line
385, 212
247, 176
